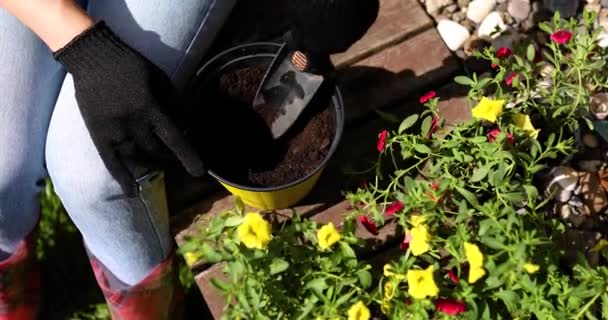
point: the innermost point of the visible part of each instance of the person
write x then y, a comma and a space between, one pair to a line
89, 95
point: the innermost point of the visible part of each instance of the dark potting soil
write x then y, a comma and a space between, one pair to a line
242, 149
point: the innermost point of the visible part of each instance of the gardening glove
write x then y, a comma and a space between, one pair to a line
126, 103
330, 26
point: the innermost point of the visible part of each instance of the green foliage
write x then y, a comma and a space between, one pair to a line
476, 218
291, 278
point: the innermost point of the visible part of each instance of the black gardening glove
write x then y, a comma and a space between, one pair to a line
330, 26
126, 101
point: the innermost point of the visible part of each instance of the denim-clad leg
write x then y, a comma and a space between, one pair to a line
129, 236
29, 83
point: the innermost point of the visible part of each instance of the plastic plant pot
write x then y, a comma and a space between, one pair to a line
282, 196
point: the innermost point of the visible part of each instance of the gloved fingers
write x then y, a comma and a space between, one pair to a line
168, 133
151, 152
118, 170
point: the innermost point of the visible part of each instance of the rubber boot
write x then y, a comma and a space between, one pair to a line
20, 283
158, 297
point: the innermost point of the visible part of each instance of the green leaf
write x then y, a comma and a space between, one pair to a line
510, 298
422, 148
220, 285
550, 139
210, 255
239, 205
365, 278
492, 243
480, 173
344, 298
347, 251
531, 52
317, 286
484, 226
465, 81
484, 82
278, 265
531, 191
493, 282
470, 197
515, 197
233, 221
309, 305
426, 125
407, 123
497, 176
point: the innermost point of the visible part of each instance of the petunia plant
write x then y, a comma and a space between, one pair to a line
475, 240
286, 267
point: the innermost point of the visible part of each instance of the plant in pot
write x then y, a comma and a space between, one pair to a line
484, 235
266, 173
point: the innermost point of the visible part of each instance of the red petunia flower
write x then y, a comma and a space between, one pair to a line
369, 225
435, 186
503, 52
382, 140
428, 96
394, 208
510, 78
450, 307
493, 134
510, 138
405, 244
453, 276
561, 36
434, 126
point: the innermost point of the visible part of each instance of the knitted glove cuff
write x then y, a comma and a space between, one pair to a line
98, 48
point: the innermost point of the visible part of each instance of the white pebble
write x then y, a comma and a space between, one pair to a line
479, 9
453, 34
489, 25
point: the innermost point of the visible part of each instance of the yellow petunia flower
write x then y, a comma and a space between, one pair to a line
531, 267
476, 273
385, 307
192, 257
417, 220
421, 283
523, 122
421, 240
488, 109
358, 312
475, 259
328, 235
390, 273
254, 231
389, 290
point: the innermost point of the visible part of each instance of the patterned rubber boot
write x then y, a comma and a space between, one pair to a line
20, 283
158, 297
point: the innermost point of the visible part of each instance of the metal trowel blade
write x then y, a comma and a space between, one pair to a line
287, 91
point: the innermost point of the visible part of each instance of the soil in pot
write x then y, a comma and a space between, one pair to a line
236, 139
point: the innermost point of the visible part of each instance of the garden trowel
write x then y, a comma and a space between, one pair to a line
287, 88
319, 28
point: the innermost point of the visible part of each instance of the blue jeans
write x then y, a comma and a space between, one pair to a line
42, 132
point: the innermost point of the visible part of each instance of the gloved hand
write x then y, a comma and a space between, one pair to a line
330, 26
126, 103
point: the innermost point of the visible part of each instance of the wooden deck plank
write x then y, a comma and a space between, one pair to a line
397, 20
388, 76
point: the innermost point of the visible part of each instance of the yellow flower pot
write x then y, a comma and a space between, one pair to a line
283, 196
